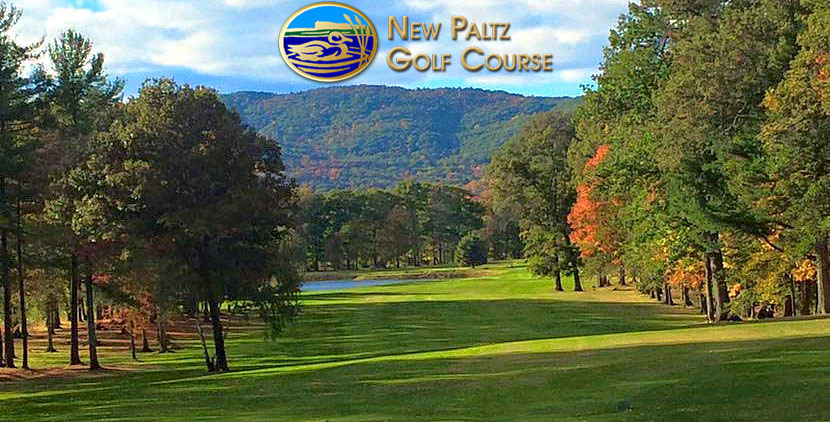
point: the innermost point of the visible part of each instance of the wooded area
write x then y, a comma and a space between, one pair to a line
697, 164
696, 169
144, 207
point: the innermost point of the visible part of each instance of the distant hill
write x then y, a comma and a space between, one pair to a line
374, 136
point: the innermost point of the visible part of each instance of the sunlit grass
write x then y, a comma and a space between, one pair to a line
499, 347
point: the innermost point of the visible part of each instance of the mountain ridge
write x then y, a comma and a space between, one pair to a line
374, 135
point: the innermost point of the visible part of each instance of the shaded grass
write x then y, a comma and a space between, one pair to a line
505, 347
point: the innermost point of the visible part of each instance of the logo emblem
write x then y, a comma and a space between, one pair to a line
328, 41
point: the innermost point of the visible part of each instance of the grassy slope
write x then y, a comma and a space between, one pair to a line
497, 348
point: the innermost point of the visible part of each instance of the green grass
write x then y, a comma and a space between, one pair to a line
497, 348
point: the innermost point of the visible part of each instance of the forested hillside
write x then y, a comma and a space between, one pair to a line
373, 136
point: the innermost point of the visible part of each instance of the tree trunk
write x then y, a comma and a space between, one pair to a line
74, 355
220, 359
622, 275
21, 291
164, 345
577, 283
8, 331
145, 343
703, 308
572, 261
90, 324
793, 296
707, 269
208, 360
805, 297
823, 272
192, 307
50, 328
719, 296
687, 299
789, 310
667, 294
132, 341
375, 247
558, 274
56, 321
81, 309
5, 267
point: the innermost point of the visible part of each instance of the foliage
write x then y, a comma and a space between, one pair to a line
471, 250
531, 171
375, 136
414, 223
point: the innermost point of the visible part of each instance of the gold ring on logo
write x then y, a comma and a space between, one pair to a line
341, 44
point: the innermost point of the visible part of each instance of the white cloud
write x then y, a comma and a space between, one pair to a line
195, 50
576, 75
238, 38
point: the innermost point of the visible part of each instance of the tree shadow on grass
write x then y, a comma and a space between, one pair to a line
328, 333
722, 380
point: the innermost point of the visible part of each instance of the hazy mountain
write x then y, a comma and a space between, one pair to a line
363, 136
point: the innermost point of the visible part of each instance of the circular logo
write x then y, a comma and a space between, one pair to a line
328, 41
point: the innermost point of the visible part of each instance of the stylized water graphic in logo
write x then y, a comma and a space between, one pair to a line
328, 41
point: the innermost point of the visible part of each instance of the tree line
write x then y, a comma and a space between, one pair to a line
412, 224
145, 208
697, 164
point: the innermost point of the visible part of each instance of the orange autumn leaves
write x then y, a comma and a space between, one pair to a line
590, 218
687, 272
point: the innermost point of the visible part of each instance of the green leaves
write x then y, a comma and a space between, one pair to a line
531, 170
471, 250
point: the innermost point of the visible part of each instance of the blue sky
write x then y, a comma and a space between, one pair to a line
232, 44
323, 13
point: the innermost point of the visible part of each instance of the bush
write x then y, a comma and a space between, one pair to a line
471, 250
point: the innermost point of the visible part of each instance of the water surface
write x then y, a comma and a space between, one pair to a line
317, 286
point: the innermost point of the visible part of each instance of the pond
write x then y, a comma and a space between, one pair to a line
317, 286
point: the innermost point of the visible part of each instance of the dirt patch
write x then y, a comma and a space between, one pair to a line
11, 375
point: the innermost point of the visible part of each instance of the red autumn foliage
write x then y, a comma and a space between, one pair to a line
599, 156
588, 218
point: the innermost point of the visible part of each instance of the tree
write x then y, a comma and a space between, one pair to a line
501, 229
191, 179
471, 250
81, 98
795, 137
532, 170
377, 205
16, 118
414, 196
394, 236
450, 214
312, 225
619, 216
709, 114
592, 221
